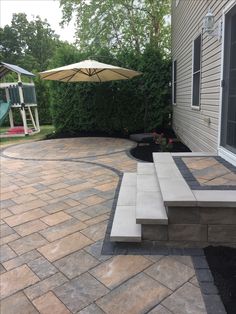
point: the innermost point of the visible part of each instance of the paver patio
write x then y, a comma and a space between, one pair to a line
56, 199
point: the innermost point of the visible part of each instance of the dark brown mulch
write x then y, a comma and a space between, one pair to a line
222, 263
145, 152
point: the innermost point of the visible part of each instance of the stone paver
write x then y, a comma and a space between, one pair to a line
17, 303
80, 292
54, 218
16, 280
75, 264
64, 246
49, 303
137, 295
187, 299
119, 268
170, 273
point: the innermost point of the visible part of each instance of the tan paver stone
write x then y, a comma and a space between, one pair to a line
56, 218
8, 195
137, 295
58, 193
58, 186
24, 198
92, 200
18, 209
6, 253
170, 273
106, 187
160, 310
187, 299
95, 232
26, 190
4, 213
16, 279
186, 260
198, 164
80, 187
60, 248
17, 304
55, 207
97, 219
80, 292
45, 285
22, 218
30, 227
20, 260
119, 268
63, 229
91, 309
49, 303
9, 238
80, 215
71, 202
27, 243
75, 264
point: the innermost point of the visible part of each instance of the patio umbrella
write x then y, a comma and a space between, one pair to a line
88, 71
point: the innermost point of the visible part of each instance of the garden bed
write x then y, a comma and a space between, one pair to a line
144, 151
222, 263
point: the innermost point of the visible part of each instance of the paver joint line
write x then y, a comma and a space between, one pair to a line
95, 254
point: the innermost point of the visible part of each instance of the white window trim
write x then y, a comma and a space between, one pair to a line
200, 80
222, 151
173, 81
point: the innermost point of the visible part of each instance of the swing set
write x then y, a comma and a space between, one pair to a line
19, 96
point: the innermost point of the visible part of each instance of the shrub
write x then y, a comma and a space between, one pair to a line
142, 103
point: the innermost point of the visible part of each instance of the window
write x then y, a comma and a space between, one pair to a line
174, 81
196, 71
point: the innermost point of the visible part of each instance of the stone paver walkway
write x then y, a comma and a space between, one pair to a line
54, 215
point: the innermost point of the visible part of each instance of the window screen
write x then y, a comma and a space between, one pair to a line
196, 71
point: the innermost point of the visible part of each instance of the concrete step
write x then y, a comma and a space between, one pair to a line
174, 189
124, 227
149, 203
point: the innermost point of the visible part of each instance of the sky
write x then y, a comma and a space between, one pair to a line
46, 9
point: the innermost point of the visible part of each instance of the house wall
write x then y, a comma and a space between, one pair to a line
198, 129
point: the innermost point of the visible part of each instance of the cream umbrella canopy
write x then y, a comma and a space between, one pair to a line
88, 71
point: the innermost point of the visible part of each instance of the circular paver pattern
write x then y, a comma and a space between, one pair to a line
69, 148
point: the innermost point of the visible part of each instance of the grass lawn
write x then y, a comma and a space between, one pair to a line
45, 130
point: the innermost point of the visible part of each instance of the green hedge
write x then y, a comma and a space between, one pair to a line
142, 103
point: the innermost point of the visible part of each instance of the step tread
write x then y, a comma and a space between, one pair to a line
175, 191
150, 208
124, 227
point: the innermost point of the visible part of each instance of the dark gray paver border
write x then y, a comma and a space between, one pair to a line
192, 181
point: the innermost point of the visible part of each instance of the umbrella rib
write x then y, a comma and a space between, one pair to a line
72, 76
53, 73
119, 73
78, 71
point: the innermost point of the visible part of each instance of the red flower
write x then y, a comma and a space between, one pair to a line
170, 141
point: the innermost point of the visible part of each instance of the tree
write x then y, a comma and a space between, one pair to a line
28, 44
31, 45
119, 24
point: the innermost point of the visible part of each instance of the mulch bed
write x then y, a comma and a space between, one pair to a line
144, 151
222, 263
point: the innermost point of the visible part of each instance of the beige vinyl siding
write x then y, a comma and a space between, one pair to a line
190, 124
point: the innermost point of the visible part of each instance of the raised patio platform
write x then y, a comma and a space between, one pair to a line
179, 200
